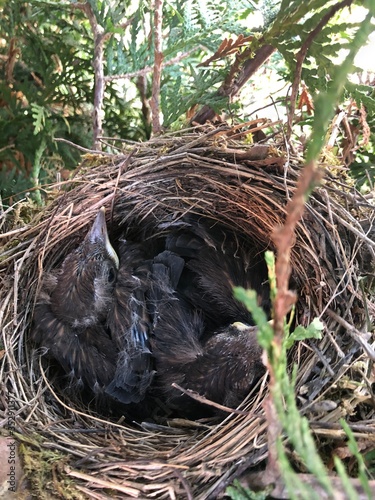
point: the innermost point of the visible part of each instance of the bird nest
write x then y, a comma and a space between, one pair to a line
72, 450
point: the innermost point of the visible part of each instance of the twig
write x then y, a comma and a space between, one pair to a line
158, 61
141, 84
81, 148
121, 169
202, 399
111, 485
11, 60
149, 69
272, 472
100, 36
99, 84
354, 333
185, 484
335, 129
362, 428
284, 238
237, 471
249, 68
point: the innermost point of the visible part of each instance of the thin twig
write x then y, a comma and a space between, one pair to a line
206, 113
98, 62
355, 334
284, 238
149, 69
81, 148
158, 62
202, 399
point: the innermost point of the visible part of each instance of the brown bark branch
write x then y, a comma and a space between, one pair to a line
141, 84
284, 238
99, 37
99, 83
11, 60
158, 61
232, 87
99, 86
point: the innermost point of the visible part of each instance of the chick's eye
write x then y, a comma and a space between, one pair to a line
111, 275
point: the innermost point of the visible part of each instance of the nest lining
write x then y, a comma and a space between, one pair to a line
144, 189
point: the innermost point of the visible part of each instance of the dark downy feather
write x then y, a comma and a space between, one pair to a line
216, 261
71, 309
222, 368
80, 351
129, 324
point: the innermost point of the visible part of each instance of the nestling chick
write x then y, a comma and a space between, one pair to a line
223, 366
71, 309
216, 261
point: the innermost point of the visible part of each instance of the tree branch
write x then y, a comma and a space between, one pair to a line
148, 69
141, 84
158, 61
231, 89
99, 82
284, 238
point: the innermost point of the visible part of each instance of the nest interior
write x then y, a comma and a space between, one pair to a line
245, 188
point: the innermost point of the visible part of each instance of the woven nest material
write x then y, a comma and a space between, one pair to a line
245, 188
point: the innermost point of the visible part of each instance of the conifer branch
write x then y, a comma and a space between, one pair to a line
302, 55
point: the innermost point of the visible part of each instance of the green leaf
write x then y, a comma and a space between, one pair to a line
239, 492
312, 331
39, 114
350, 492
353, 447
325, 103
